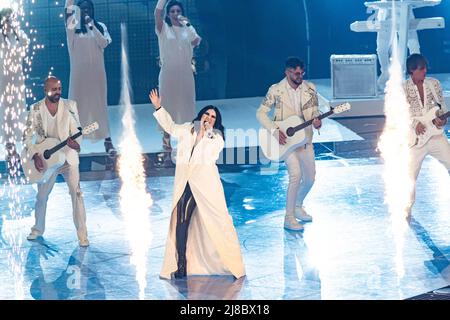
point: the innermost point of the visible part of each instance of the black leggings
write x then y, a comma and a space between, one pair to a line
185, 208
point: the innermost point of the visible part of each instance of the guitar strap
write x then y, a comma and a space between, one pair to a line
300, 109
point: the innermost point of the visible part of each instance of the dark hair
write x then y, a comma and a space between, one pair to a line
294, 62
170, 5
218, 124
6, 12
83, 23
416, 61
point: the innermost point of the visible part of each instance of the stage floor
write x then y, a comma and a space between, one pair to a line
347, 252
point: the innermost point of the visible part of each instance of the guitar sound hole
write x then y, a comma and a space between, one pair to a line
290, 132
47, 154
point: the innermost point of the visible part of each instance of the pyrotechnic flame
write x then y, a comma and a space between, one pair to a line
395, 151
135, 201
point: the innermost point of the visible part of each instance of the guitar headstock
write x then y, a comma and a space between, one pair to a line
90, 128
342, 107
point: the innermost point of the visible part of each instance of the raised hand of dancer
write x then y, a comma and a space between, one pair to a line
155, 99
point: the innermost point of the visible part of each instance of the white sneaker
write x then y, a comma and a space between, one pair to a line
301, 214
33, 235
84, 243
290, 223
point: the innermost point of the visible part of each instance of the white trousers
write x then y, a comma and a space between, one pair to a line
71, 175
301, 167
437, 147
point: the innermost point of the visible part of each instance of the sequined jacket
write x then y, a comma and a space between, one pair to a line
277, 97
68, 124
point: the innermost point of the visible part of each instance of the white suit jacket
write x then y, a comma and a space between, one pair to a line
68, 125
278, 97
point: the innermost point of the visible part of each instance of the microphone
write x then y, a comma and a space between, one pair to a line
88, 20
209, 131
183, 21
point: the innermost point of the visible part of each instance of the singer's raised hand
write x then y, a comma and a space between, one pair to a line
87, 19
155, 99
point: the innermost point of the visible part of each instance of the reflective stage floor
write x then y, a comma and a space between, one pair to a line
347, 252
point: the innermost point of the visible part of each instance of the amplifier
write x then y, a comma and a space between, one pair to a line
354, 75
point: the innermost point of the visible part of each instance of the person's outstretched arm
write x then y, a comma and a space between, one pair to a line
159, 13
163, 117
71, 16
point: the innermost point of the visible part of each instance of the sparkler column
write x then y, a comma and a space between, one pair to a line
394, 147
13, 51
135, 201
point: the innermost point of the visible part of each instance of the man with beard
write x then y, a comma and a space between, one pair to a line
294, 96
54, 117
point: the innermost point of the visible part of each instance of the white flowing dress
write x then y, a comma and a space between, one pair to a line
176, 78
88, 85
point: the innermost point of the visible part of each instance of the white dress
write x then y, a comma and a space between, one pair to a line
12, 87
88, 77
176, 78
212, 246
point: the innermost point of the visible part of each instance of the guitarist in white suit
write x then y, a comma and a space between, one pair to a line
294, 96
54, 117
423, 94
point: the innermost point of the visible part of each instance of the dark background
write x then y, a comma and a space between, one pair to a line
245, 42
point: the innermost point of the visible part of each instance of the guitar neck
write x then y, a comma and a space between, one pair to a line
48, 153
444, 116
309, 122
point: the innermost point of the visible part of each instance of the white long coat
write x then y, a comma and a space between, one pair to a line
212, 246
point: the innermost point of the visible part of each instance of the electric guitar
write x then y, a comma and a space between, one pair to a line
431, 130
51, 153
293, 128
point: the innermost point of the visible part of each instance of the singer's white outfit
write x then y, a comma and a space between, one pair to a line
65, 123
212, 246
88, 86
176, 78
302, 102
438, 146
12, 87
